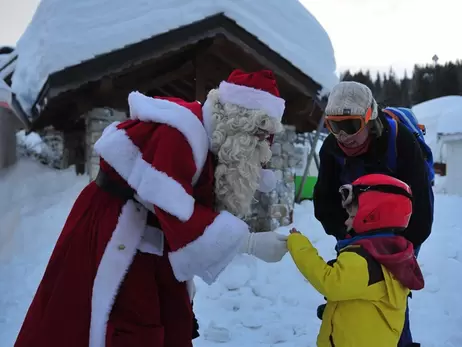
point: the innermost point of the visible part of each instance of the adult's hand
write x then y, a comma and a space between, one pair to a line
268, 246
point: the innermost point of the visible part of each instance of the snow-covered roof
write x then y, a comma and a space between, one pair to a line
7, 64
66, 33
444, 114
447, 110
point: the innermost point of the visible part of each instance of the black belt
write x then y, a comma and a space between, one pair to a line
107, 184
123, 192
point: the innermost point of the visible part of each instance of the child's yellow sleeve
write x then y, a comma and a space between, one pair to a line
347, 279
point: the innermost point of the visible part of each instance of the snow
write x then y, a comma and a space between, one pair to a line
32, 142
252, 303
65, 33
440, 115
7, 64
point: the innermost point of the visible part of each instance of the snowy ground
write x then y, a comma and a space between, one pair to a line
252, 303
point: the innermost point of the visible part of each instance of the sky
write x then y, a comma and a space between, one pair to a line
367, 34
377, 34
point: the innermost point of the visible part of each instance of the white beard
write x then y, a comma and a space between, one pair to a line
238, 173
240, 153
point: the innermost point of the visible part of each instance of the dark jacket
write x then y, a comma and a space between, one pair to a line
410, 168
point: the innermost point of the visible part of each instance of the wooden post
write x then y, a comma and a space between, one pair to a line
316, 158
310, 157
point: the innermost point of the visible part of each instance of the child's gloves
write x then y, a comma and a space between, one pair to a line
267, 246
294, 231
320, 311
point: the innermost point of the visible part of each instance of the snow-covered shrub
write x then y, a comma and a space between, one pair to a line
48, 149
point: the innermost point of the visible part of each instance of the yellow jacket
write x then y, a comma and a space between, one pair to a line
365, 303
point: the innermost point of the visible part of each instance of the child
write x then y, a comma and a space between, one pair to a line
367, 286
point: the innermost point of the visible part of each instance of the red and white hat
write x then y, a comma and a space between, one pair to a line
255, 90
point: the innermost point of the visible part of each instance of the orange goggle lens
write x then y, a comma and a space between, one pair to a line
348, 124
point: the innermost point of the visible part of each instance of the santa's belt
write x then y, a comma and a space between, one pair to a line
125, 193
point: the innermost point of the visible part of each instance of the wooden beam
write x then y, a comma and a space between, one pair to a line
251, 47
181, 89
166, 77
200, 78
169, 91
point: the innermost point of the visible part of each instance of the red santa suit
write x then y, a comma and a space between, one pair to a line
117, 276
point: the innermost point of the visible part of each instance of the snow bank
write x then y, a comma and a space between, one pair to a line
451, 123
65, 33
34, 203
252, 303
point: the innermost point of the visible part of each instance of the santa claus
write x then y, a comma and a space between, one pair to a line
174, 183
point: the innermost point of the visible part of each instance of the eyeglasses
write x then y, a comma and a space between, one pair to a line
351, 125
351, 193
264, 135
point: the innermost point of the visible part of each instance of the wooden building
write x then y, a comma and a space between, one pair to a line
80, 100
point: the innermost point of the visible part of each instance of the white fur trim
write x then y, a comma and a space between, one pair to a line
208, 255
152, 241
208, 120
116, 260
251, 98
152, 186
148, 109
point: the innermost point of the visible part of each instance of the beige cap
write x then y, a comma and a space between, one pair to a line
351, 98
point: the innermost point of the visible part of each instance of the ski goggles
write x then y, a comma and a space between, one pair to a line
350, 193
349, 124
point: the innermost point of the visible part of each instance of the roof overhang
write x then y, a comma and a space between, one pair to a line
129, 57
445, 138
7, 97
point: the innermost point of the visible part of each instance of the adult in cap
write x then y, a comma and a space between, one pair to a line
364, 140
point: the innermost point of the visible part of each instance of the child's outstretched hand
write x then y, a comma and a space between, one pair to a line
294, 231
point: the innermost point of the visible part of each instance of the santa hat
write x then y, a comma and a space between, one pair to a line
255, 90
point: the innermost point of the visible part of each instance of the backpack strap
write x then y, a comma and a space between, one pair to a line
392, 152
391, 114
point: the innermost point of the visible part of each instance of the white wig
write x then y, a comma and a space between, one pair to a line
234, 140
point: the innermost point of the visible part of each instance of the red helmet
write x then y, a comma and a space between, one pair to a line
384, 202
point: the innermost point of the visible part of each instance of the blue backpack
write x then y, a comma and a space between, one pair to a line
406, 117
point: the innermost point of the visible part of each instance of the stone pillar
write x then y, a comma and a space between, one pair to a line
96, 121
275, 209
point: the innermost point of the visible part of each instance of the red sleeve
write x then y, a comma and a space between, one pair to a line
202, 241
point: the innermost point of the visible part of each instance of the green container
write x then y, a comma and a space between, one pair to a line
308, 187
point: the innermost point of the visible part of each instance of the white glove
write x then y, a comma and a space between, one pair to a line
267, 246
